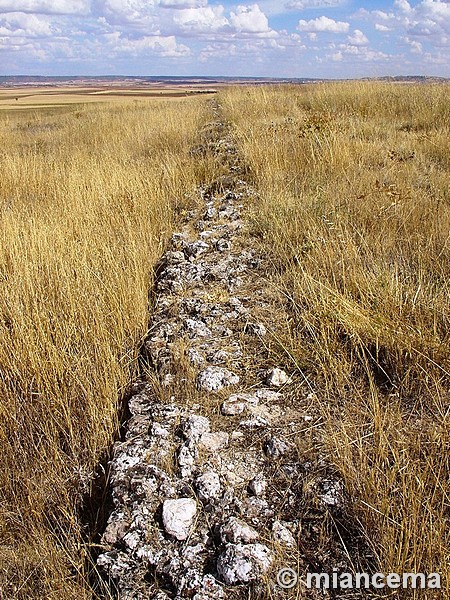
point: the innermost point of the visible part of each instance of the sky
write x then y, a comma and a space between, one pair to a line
269, 38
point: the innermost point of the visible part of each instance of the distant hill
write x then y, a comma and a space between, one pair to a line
155, 80
111, 80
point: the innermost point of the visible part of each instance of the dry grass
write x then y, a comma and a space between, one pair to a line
87, 202
354, 182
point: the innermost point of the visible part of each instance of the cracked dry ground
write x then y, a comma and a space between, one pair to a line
217, 482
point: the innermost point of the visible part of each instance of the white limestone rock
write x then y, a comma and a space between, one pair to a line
256, 329
274, 447
257, 486
241, 563
213, 379
276, 377
208, 486
282, 534
178, 517
237, 531
194, 427
212, 442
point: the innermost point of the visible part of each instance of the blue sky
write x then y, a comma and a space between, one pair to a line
278, 38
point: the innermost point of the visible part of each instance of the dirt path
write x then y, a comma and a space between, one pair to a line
211, 487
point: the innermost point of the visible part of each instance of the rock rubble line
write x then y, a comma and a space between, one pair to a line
194, 511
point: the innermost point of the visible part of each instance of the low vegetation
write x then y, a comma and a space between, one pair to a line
352, 208
353, 183
88, 199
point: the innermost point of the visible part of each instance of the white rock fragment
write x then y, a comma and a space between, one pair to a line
230, 408
116, 529
158, 430
196, 328
270, 413
257, 329
194, 249
174, 257
243, 563
254, 422
237, 531
267, 395
132, 539
212, 442
274, 447
282, 534
194, 427
208, 486
331, 492
178, 516
213, 379
257, 486
276, 377
196, 357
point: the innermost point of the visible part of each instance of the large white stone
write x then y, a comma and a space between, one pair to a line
241, 563
178, 516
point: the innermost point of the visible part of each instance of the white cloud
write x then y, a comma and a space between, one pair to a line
383, 28
249, 19
352, 54
128, 11
180, 4
305, 4
428, 20
25, 25
403, 5
415, 47
162, 45
201, 20
46, 7
323, 24
358, 38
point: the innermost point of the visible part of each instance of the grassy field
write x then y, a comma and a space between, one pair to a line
354, 187
88, 199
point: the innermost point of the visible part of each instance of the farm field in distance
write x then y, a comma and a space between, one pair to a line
350, 208
43, 97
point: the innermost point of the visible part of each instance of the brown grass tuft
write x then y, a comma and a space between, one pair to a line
354, 187
87, 202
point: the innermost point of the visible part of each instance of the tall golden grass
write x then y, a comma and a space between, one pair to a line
354, 183
88, 199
